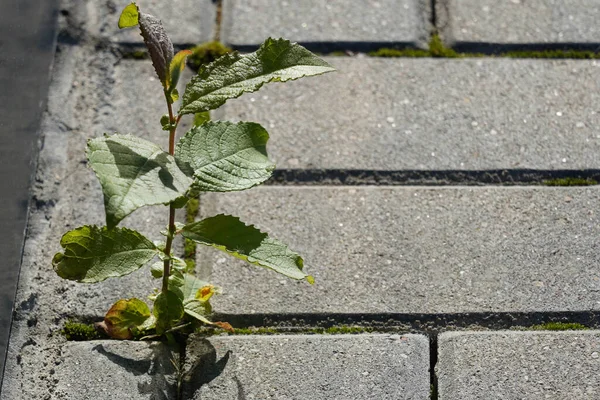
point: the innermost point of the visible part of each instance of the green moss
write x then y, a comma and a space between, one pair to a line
137, 55
556, 54
206, 53
436, 49
570, 182
387, 52
77, 331
558, 326
192, 208
334, 330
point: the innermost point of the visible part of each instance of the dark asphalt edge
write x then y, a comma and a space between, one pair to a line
52, 25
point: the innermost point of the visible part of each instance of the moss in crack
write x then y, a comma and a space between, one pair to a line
206, 53
79, 332
136, 55
437, 49
570, 182
333, 330
192, 209
554, 54
558, 326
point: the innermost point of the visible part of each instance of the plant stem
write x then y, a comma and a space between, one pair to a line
167, 265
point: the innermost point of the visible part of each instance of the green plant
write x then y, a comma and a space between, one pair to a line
211, 157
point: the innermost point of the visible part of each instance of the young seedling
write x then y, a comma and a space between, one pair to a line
211, 157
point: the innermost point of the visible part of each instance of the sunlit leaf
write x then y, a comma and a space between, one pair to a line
93, 254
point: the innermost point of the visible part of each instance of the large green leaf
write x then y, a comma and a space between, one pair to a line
229, 234
93, 254
277, 60
224, 156
125, 317
134, 173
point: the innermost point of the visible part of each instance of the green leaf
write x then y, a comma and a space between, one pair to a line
201, 118
93, 254
229, 234
134, 173
176, 67
129, 17
168, 310
159, 45
225, 157
277, 60
125, 318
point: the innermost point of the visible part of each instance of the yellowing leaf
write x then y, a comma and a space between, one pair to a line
205, 293
129, 17
125, 317
176, 67
224, 325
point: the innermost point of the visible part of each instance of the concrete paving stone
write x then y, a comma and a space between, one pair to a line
250, 22
415, 250
186, 21
97, 370
519, 365
519, 21
432, 114
308, 366
91, 93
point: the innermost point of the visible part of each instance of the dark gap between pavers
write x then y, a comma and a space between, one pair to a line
509, 177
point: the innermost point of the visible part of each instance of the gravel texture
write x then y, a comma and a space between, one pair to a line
415, 250
186, 21
315, 366
519, 365
432, 114
525, 22
368, 23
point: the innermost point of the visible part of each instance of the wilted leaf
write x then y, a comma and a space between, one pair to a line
229, 234
232, 75
158, 43
225, 157
93, 254
125, 318
134, 173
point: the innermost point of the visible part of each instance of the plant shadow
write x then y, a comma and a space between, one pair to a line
205, 368
159, 368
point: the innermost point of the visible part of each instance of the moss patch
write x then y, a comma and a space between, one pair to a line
570, 182
437, 49
136, 55
79, 332
557, 54
333, 330
558, 326
192, 208
206, 53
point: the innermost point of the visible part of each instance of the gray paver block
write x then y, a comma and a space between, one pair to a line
91, 93
394, 114
308, 366
186, 21
250, 22
415, 250
519, 21
96, 370
519, 365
